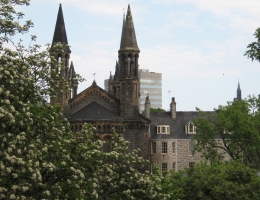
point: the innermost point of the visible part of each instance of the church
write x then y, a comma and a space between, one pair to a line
163, 138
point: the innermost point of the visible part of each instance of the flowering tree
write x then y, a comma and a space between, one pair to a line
40, 158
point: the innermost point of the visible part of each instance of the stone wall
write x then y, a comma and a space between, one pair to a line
177, 160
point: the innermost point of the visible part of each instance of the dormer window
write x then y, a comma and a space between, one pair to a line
190, 128
163, 129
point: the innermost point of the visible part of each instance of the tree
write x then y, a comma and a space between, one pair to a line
253, 51
225, 180
232, 130
155, 110
40, 158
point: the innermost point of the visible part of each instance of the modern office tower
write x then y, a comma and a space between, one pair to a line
150, 83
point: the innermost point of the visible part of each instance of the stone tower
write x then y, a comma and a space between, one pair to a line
126, 82
61, 97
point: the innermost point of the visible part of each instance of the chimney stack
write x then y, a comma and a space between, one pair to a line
173, 108
147, 107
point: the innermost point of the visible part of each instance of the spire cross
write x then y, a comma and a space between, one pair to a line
94, 75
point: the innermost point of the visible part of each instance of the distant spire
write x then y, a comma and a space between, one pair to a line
128, 37
60, 30
239, 96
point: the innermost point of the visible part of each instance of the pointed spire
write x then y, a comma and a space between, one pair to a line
117, 73
239, 96
60, 30
128, 38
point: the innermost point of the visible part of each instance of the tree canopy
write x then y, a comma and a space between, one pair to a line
253, 51
232, 130
225, 180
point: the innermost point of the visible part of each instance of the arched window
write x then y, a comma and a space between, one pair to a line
107, 147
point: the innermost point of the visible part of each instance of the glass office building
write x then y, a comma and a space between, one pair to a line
150, 83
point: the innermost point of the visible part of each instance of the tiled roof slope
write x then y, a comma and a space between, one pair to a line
93, 112
177, 126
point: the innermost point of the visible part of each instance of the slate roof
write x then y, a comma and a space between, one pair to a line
94, 112
177, 126
60, 30
128, 37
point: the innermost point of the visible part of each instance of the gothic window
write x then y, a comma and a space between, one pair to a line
99, 128
190, 128
153, 147
164, 147
163, 129
108, 146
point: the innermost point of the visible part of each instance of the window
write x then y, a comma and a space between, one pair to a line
191, 164
190, 128
164, 167
164, 147
163, 129
191, 148
153, 147
173, 166
173, 147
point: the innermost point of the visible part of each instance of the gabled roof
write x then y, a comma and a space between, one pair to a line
94, 112
94, 93
60, 30
128, 37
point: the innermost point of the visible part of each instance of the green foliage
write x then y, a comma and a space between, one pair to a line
233, 130
156, 110
253, 51
40, 158
226, 180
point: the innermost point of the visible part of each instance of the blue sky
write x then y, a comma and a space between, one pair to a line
197, 45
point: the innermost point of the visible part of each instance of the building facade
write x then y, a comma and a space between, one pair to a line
150, 83
164, 138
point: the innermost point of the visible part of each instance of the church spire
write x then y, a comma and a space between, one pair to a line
60, 30
239, 96
128, 38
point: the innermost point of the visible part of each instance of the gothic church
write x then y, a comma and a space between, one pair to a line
164, 138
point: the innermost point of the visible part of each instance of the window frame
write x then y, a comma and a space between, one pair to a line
164, 167
190, 128
163, 129
173, 147
191, 148
164, 147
